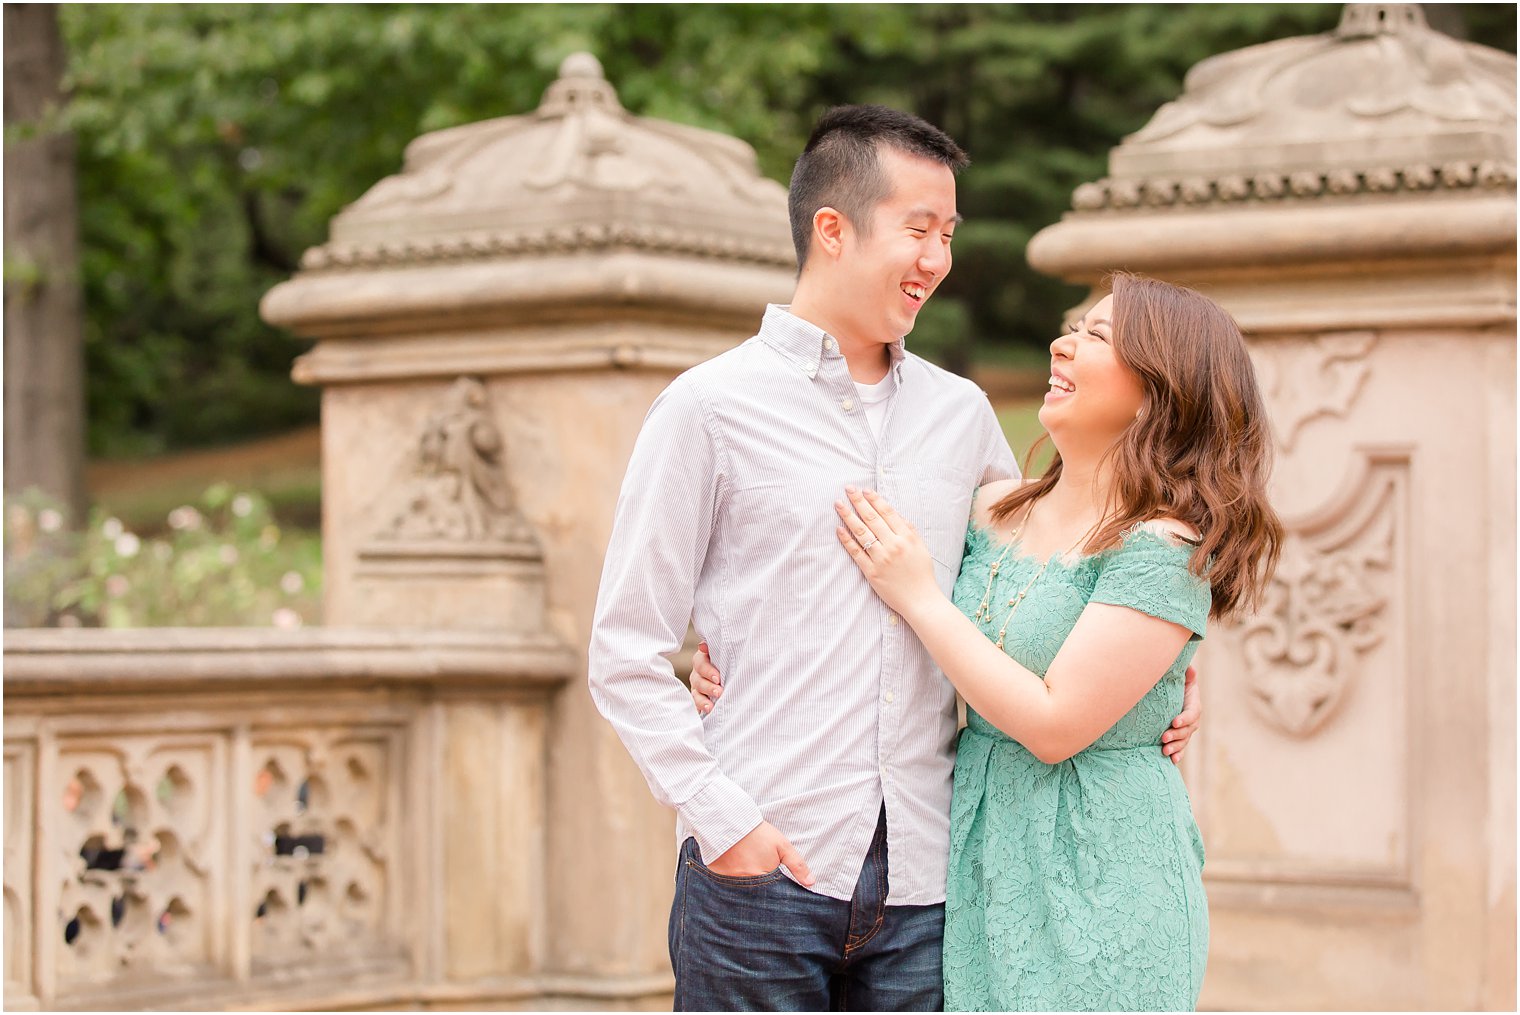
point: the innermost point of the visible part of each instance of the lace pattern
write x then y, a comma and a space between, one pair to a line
1077, 886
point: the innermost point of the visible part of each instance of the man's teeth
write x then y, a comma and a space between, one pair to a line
1057, 383
916, 291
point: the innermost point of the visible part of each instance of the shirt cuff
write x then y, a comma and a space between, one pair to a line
720, 815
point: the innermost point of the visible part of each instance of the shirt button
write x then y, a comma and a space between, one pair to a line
890, 697
892, 619
828, 344
847, 404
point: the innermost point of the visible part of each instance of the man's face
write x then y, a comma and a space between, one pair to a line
892, 271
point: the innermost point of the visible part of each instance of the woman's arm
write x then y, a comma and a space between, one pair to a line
1112, 657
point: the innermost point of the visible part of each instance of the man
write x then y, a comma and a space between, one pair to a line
813, 801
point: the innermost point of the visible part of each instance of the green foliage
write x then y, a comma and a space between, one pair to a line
221, 562
215, 142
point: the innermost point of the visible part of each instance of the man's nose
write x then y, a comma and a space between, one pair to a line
935, 260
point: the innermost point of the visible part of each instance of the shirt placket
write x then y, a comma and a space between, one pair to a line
890, 691
888, 482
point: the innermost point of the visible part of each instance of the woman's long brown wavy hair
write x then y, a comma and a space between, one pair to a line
1199, 451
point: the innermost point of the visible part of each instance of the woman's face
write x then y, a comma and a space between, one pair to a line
1093, 397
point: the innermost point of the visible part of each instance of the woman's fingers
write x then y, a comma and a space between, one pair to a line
701, 665
895, 522
852, 547
863, 536
703, 693
879, 526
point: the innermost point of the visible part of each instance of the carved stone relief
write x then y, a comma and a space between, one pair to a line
1305, 380
1334, 597
323, 869
454, 488
136, 895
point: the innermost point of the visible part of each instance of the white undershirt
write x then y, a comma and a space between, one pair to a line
874, 399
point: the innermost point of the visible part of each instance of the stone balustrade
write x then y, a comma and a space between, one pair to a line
253, 818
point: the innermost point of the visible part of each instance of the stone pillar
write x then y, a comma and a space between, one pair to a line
1350, 197
493, 322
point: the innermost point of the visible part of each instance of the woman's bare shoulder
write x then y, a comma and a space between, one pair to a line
1175, 529
987, 497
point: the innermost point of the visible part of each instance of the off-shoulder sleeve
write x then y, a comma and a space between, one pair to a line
1149, 573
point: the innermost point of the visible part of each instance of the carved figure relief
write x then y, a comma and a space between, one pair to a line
1305, 380
322, 870
1333, 598
455, 488
136, 895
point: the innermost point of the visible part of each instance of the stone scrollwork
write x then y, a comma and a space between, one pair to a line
1305, 380
455, 489
1333, 599
322, 871
136, 896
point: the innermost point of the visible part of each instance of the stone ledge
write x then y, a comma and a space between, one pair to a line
494, 294
542, 991
45, 663
1273, 187
1280, 235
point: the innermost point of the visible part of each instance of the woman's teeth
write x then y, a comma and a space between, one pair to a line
1060, 385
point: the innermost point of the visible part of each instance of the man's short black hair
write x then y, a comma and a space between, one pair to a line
839, 168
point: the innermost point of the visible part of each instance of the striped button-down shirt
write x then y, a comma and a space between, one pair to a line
831, 707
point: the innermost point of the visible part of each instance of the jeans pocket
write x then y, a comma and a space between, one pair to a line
692, 858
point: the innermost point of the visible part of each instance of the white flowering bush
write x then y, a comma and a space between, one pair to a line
223, 561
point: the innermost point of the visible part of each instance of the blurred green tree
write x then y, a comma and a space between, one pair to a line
215, 142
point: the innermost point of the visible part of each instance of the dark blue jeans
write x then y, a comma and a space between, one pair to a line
765, 943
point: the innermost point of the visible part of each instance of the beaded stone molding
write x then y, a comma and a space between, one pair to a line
1276, 186
432, 250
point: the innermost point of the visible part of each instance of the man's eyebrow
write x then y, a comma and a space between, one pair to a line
928, 213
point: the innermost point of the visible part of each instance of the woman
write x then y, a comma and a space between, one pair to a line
1075, 864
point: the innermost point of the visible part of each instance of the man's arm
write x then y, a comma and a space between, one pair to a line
660, 535
998, 461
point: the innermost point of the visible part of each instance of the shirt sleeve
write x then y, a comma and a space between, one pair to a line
660, 536
1150, 574
998, 461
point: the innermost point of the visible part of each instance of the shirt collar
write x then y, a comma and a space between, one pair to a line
806, 344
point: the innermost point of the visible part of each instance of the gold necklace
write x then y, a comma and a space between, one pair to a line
984, 611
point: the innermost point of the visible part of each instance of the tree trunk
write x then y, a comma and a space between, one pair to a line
44, 338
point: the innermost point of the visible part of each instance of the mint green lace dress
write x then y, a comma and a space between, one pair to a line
1077, 886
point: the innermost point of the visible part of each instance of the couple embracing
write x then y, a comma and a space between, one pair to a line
845, 525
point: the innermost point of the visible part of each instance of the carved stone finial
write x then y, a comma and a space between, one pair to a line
581, 65
1360, 21
580, 87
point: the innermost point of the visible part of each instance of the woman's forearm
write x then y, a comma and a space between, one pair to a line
1111, 658
1004, 693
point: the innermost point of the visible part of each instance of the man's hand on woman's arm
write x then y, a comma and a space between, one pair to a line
1175, 740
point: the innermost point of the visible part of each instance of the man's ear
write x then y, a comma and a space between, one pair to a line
828, 231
